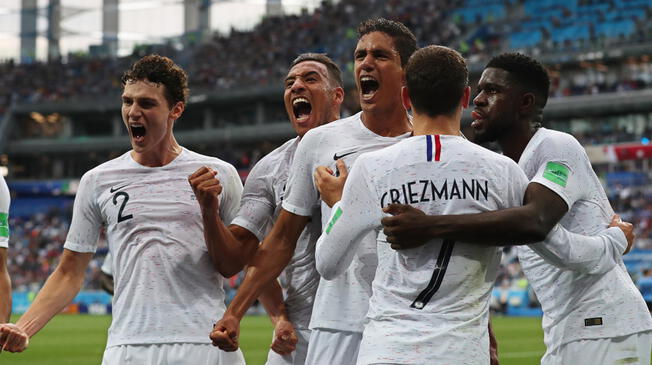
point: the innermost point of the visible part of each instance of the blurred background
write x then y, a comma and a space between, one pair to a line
61, 61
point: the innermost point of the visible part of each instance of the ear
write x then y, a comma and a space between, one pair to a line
338, 95
466, 97
527, 103
177, 110
405, 98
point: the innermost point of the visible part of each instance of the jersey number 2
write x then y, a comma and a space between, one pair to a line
125, 199
437, 275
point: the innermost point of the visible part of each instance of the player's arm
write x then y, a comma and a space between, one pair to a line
270, 259
228, 247
285, 338
59, 290
351, 219
5, 287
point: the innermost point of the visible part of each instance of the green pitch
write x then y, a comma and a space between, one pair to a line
80, 339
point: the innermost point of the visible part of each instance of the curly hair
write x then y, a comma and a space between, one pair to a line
404, 41
160, 70
527, 72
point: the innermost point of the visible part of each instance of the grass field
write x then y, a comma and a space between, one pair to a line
80, 339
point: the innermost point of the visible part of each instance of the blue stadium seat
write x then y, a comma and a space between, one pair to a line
645, 286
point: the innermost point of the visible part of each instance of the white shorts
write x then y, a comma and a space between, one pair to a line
170, 354
328, 347
297, 357
631, 350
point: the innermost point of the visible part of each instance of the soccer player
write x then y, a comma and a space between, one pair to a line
383, 49
313, 95
430, 304
592, 315
5, 281
167, 288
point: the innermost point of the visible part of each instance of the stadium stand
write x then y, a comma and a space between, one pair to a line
61, 118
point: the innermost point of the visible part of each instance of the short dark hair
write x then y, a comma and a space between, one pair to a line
527, 71
160, 70
334, 72
404, 41
436, 77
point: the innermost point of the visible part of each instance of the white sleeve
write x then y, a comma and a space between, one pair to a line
86, 218
562, 164
258, 202
5, 200
351, 219
301, 193
107, 265
230, 197
584, 254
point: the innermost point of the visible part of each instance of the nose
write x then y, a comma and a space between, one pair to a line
298, 85
479, 99
133, 111
367, 63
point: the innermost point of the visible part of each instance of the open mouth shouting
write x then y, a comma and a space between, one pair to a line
138, 132
368, 87
301, 108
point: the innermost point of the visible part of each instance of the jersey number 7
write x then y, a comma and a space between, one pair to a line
437, 275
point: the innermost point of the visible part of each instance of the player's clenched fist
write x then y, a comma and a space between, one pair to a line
206, 187
628, 230
285, 338
225, 333
13, 338
329, 184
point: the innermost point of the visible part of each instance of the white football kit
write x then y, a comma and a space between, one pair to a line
430, 303
341, 304
578, 306
5, 200
260, 206
167, 290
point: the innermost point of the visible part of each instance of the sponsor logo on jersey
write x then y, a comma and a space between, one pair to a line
556, 173
4, 225
597, 321
337, 157
114, 189
419, 191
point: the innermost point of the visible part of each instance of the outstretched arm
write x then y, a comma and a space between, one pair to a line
285, 337
5, 287
59, 290
270, 259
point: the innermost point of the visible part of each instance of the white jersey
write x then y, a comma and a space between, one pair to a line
5, 201
259, 208
429, 304
166, 287
577, 306
340, 304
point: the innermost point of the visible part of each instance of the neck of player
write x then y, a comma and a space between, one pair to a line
423, 124
387, 123
160, 155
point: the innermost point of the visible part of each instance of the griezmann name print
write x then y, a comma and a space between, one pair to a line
418, 191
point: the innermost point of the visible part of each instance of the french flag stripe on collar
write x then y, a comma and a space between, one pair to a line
429, 148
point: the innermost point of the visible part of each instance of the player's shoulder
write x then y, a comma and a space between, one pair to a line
552, 140
332, 129
210, 161
278, 157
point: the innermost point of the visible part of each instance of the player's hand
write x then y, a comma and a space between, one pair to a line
206, 187
330, 187
406, 228
285, 338
12, 338
628, 230
225, 333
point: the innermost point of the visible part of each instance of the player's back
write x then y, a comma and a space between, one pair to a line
577, 306
434, 298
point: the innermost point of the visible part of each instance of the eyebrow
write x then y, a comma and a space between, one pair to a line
309, 73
